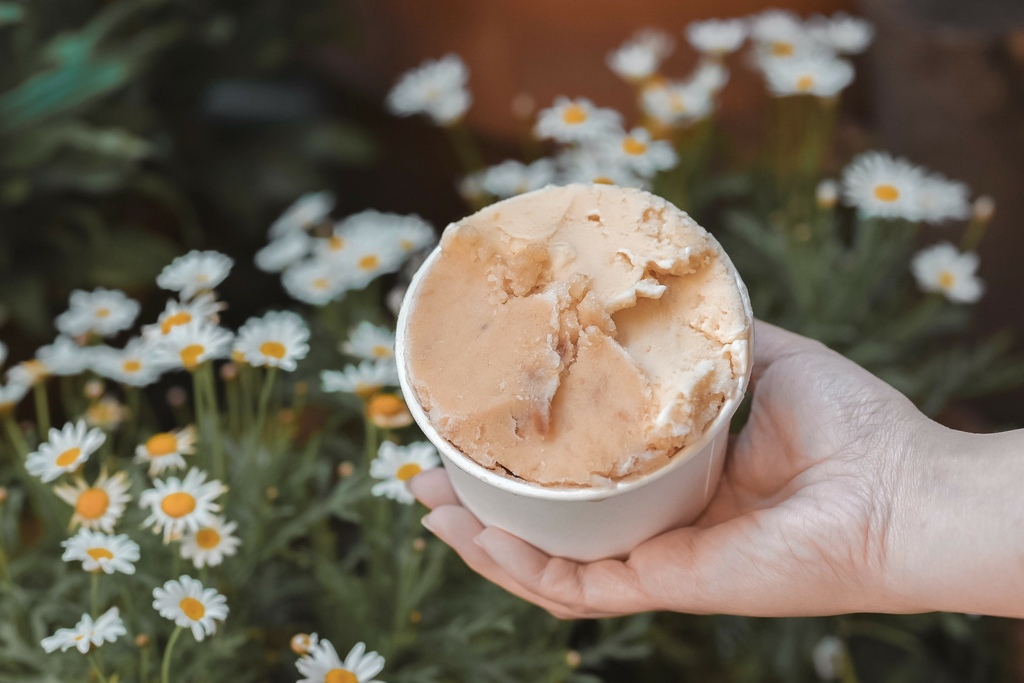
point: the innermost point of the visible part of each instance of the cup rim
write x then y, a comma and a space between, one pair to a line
529, 489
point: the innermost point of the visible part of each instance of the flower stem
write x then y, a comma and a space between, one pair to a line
42, 409
465, 146
371, 438
211, 406
15, 435
261, 415
975, 231
165, 668
94, 594
96, 667
144, 664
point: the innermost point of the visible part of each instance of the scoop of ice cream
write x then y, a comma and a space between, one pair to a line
577, 335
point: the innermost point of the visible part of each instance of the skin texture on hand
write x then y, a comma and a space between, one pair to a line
826, 506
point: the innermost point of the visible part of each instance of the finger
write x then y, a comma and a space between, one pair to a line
597, 589
433, 488
457, 527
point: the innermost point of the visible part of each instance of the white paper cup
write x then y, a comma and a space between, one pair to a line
584, 524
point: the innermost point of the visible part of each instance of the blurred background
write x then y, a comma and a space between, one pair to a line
134, 130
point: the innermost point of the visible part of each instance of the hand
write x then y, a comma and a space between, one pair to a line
816, 511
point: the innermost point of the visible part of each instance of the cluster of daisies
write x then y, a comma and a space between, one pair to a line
183, 510
321, 259
373, 378
882, 187
796, 57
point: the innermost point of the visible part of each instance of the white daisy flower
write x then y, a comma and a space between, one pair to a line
845, 34
828, 656
716, 37
322, 665
65, 357
314, 281
277, 340
576, 120
436, 88
196, 271
781, 34
396, 465
370, 342
362, 380
366, 257
941, 199
882, 186
282, 252
166, 450
640, 153
99, 552
202, 308
11, 395
677, 103
208, 545
470, 187
302, 642
308, 211
942, 268
817, 75
131, 365
188, 346
87, 633
827, 193
99, 506
185, 602
65, 450
177, 505
388, 411
512, 177
640, 57
104, 312
406, 233
591, 165
709, 75
107, 413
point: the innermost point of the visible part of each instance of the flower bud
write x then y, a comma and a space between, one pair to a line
93, 389
229, 372
573, 659
345, 469
142, 640
984, 208
827, 194
176, 397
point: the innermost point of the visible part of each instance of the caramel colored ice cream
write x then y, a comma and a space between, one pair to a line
576, 336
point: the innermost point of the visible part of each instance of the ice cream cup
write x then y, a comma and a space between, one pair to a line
584, 524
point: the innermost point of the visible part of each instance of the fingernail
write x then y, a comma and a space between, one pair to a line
476, 539
425, 521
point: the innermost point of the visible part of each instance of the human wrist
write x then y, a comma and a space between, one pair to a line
957, 535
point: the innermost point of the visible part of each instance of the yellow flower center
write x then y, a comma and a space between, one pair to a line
160, 444
385, 405
340, 676
237, 356
406, 245
202, 278
946, 279
782, 49
207, 538
886, 193
381, 351
68, 457
36, 368
804, 83
408, 471
102, 313
603, 180
175, 319
321, 283
99, 554
178, 504
574, 114
190, 355
131, 366
92, 503
192, 608
273, 349
633, 147
336, 243
369, 262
